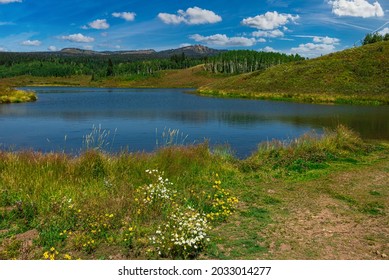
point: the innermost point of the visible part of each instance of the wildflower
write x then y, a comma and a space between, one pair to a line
67, 257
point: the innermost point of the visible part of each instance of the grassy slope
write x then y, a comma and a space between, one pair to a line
8, 95
357, 75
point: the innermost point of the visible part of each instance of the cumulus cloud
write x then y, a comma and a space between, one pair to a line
356, 8
312, 50
269, 21
52, 49
127, 16
192, 16
9, 1
224, 40
268, 49
318, 46
98, 24
33, 43
326, 40
384, 31
269, 34
78, 38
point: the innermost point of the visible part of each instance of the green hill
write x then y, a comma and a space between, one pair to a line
358, 76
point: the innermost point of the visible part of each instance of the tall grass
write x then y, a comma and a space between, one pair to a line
310, 151
98, 197
8, 95
98, 204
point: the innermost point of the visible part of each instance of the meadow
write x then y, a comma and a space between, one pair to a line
316, 197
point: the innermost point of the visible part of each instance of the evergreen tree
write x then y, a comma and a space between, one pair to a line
110, 68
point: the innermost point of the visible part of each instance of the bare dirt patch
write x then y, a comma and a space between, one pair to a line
327, 219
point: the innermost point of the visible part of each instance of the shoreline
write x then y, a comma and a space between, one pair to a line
308, 98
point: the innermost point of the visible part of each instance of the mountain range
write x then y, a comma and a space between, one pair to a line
190, 51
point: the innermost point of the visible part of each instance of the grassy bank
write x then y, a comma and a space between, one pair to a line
190, 202
9, 95
353, 76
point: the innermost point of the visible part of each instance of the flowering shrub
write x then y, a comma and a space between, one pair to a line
184, 235
128, 234
53, 254
158, 190
223, 204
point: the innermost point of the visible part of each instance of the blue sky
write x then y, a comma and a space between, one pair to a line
310, 28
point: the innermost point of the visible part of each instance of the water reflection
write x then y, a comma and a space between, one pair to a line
136, 114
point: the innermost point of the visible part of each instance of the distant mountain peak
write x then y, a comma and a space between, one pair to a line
192, 50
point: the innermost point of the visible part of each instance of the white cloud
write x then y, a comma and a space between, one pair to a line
30, 43
356, 8
318, 46
384, 31
78, 38
312, 49
261, 40
191, 16
3, 49
9, 1
268, 49
223, 40
326, 40
269, 34
269, 21
98, 24
127, 16
52, 49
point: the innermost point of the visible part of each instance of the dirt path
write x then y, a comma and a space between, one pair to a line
339, 216
344, 216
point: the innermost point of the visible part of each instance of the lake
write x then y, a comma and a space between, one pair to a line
137, 118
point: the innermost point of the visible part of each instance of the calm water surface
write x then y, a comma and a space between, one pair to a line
62, 116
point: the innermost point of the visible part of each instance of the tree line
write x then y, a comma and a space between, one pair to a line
98, 66
374, 38
245, 61
119, 65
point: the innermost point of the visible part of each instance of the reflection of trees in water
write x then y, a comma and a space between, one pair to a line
368, 126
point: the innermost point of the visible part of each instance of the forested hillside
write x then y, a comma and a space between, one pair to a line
125, 64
